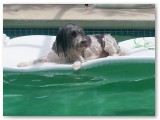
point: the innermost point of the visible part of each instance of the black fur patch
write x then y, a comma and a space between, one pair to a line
99, 37
100, 40
88, 39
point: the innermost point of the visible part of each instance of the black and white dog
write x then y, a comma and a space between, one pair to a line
73, 46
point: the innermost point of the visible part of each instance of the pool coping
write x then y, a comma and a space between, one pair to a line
56, 15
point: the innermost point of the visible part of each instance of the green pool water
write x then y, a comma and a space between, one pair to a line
126, 89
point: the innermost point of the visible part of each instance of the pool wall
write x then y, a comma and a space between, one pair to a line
15, 32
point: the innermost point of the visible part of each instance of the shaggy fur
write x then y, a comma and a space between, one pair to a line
73, 46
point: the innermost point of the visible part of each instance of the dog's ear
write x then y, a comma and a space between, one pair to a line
56, 45
60, 34
62, 43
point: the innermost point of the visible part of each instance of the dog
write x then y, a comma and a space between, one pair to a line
73, 46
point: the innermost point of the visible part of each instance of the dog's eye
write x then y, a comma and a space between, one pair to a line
74, 33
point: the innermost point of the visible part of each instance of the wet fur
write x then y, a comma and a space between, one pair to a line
73, 46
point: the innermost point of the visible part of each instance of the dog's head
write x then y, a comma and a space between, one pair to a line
70, 37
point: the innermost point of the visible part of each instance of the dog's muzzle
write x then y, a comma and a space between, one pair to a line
84, 43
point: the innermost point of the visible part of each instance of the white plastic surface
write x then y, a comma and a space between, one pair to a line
27, 48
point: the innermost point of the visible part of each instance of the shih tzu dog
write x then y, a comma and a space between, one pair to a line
73, 46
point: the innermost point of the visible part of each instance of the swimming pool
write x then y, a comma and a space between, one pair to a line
130, 92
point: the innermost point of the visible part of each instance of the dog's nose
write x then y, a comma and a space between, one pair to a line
84, 43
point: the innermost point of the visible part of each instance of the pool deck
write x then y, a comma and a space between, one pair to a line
56, 15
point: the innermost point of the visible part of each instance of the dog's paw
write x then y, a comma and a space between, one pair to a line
76, 65
22, 64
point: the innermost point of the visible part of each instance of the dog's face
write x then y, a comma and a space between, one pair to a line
70, 37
